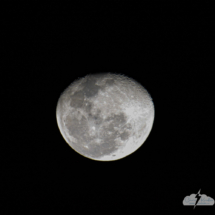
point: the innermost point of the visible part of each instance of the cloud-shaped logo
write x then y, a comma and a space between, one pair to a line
198, 200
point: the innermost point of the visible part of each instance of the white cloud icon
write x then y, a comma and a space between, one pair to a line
203, 201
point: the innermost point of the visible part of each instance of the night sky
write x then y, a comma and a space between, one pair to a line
167, 48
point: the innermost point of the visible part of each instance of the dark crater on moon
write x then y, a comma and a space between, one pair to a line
118, 120
124, 135
109, 82
90, 88
77, 99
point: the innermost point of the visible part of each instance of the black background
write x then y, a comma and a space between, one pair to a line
168, 48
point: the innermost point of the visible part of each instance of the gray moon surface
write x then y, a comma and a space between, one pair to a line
105, 116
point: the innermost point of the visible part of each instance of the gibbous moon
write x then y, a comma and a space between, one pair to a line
105, 116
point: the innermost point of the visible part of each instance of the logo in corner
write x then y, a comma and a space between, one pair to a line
198, 200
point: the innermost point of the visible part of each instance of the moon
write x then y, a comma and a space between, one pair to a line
105, 116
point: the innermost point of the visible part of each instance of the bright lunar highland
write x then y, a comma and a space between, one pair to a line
105, 116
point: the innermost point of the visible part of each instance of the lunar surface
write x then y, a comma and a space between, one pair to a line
105, 116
